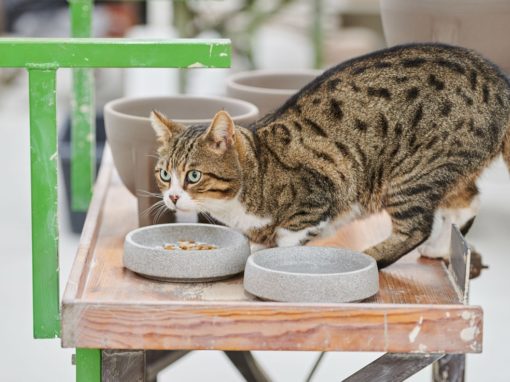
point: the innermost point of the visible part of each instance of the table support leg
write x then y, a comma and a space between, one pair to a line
247, 366
158, 360
88, 365
393, 367
450, 368
123, 366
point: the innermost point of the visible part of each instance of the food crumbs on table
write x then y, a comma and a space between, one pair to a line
189, 245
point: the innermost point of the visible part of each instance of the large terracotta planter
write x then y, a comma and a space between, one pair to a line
133, 141
482, 25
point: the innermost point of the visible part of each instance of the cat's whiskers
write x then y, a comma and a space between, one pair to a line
204, 213
148, 194
160, 212
152, 208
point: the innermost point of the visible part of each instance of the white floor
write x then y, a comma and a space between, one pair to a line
25, 359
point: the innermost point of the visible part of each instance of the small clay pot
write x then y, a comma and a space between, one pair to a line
268, 89
133, 141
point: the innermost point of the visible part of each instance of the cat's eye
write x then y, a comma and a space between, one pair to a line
193, 176
164, 175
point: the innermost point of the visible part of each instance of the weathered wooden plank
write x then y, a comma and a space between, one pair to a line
273, 326
393, 367
78, 275
123, 366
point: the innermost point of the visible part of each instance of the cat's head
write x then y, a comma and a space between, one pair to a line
197, 165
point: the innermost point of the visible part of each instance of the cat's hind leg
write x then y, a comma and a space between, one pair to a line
413, 210
460, 208
411, 226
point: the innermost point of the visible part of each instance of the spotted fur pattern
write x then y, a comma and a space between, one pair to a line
407, 130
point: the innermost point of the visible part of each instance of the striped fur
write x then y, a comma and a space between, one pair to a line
407, 129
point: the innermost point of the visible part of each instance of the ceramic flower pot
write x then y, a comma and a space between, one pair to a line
133, 141
268, 89
482, 25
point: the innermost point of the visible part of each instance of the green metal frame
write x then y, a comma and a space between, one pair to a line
42, 57
43, 167
88, 365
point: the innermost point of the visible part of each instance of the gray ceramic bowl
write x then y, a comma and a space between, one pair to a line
144, 252
311, 274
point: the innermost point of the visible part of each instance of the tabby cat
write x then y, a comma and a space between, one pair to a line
406, 129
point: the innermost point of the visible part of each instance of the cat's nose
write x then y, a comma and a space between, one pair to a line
174, 198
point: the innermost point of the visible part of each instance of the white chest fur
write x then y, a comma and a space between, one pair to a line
232, 213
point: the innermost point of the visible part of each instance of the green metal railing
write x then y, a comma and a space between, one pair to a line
42, 58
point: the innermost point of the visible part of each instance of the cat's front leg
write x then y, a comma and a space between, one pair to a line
289, 238
261, 238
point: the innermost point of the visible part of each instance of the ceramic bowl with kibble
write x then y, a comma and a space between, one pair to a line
186, 252
311, 274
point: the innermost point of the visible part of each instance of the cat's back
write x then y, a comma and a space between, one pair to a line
421, 100
429, 66
404, 93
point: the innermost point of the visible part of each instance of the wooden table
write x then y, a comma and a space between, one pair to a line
419, 309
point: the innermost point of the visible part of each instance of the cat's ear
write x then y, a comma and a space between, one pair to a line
164, 127
221, 133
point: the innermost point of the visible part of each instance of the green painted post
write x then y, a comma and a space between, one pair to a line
88, 365
318, 34
83, 157
43, 158
83, 121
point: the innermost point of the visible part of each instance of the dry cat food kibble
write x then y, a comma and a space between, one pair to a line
189, 245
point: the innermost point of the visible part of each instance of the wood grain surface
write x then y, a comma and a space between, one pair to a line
106, 306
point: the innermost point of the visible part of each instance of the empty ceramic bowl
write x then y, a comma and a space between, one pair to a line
268, 89
311, 274
144, 252
133, 141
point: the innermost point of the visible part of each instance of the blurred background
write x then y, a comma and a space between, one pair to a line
267, 34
